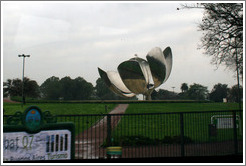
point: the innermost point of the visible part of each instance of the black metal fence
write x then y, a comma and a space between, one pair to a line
207, 133
147, 135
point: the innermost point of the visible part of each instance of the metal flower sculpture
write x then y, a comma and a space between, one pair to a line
138, 76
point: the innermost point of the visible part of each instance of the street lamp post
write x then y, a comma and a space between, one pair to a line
173, 89
238, 84
237, 68
23, 97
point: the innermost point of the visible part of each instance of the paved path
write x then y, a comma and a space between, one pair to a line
88, 143
7, 100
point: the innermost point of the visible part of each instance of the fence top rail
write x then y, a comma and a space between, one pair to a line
119, 101
187, 112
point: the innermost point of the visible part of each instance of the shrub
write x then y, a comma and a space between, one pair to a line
143, 140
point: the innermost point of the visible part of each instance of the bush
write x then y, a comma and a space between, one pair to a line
142, 140
177, 139
27, 99
16, 98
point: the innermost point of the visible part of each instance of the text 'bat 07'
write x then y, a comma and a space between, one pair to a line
139, 76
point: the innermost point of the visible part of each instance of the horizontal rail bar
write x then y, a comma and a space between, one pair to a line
188, 112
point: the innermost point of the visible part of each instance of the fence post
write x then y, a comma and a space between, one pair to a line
182, 133
108, 132
235, 132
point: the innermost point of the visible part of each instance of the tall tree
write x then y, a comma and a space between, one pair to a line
14, 88
222, 27
233, 94
197, 92
31, 88
219, 92
67, 88
51, 88
163, 94
82, 90
184, 87
66, 84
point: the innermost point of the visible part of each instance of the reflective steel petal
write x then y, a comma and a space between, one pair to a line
144, 65
157, 65
169, 61
114, 82
132, 75
115, 79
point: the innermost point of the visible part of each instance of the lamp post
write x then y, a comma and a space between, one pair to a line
173, 89
237, 66
238, 84
23, 97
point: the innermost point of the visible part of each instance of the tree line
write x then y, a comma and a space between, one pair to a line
219, 93
67, 88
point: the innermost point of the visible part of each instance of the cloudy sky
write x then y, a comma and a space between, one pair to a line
74, 38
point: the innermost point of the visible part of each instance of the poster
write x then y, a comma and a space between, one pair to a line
45, 145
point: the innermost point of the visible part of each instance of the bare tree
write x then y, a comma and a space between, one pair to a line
222, 27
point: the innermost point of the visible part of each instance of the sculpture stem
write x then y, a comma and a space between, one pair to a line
148, 97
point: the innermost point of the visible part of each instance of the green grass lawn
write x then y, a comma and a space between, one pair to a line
61, 108
81, 123
164, 126
98, 108
179, 107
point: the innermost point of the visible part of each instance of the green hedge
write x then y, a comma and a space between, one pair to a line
38, 100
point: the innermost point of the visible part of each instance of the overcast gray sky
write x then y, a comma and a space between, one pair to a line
74, 38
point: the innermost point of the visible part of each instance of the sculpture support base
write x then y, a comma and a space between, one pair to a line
147, 97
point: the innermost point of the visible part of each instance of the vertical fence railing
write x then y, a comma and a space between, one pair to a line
235, 132
157, 134
108, 132
182, 134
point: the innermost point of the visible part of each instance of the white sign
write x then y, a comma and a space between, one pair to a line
224, 123
45, 145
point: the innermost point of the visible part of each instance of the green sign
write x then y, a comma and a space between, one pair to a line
38, 137
33, 119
